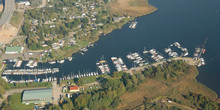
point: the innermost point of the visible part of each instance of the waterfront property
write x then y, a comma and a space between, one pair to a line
37, 96
13, 50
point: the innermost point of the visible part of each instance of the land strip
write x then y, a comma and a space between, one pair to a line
190, 61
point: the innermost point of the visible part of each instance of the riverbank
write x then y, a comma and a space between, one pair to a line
84, 41
152, 83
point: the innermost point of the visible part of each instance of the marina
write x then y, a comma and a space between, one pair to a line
136, 59
158, 31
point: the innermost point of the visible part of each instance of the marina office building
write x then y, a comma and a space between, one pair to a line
37, 96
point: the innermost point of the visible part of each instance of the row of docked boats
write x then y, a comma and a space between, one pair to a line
49, 79
30, 71
137, 59
199, 51
119, 64
170, 52
79, 75
60, 61
185, 50
103, 66
154, 55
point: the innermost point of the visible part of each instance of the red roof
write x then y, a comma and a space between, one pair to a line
74, 88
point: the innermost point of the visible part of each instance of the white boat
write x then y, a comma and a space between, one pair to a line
70, 58
52, 62
61, 61
133, 25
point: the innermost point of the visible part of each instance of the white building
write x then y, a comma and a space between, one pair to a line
24, 3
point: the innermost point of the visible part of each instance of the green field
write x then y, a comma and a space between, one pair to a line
28, 85
14, 102
16, 19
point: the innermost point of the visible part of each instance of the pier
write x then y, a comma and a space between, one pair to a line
30, 71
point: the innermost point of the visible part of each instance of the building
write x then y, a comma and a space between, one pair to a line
73, 89
13, 50
37, 96
24, 3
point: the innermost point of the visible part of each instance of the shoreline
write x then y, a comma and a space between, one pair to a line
104, 32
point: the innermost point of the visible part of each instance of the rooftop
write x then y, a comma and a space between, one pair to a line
13, 49
37, 94
74, 87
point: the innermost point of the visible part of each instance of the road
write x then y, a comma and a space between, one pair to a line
8, 12
56, 92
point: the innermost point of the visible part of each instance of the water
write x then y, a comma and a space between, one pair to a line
186, 21
1, 1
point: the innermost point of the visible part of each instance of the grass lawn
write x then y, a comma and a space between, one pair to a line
15, 103
16, 19
32, 85
82, 43
90, 79
173, 89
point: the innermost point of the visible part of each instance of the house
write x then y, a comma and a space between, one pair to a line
73, 89
37, 96
13, 50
